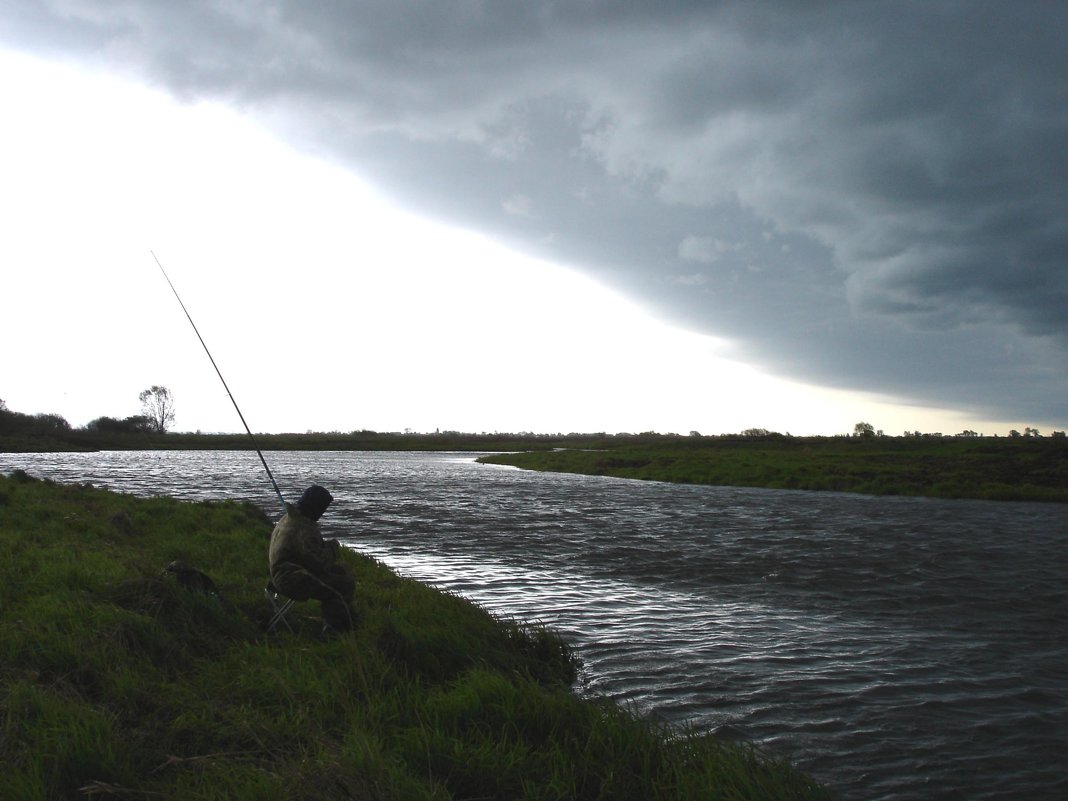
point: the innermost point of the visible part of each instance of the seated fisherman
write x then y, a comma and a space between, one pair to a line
304, 566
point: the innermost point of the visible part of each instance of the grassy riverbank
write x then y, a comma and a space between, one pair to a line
116, 682
995, 469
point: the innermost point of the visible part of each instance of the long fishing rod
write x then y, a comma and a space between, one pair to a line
255, 444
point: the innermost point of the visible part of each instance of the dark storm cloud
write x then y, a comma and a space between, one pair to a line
866, 194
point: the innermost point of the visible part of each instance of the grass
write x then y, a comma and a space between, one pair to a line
991, 469
116, 682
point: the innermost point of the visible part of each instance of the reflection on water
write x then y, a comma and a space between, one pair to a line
895, 648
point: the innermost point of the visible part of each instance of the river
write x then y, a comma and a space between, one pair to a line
893, 648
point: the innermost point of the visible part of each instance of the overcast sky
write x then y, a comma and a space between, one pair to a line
540, 215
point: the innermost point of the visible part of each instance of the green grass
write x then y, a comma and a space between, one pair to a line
115, 682
991, 469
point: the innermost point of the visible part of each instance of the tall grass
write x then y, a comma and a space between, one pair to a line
986, 469
116, 682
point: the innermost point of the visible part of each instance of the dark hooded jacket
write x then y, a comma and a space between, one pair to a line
297, 544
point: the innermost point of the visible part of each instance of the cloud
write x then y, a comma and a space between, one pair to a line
707, 249
691, 280
517, 205
867, 195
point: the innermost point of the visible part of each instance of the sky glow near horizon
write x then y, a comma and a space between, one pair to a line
326, 305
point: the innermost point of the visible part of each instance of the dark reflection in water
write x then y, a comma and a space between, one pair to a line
894, 648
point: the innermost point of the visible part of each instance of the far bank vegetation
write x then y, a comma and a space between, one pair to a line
1019, 466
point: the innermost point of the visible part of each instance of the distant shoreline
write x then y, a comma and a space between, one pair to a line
1001, 469
75, 440
987, 468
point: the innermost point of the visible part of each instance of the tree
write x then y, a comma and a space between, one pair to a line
131, 425
50, 423
157, 404
863, 430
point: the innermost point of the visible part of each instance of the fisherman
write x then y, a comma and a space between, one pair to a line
304, 566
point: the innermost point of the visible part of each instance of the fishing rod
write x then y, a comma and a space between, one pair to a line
255, 444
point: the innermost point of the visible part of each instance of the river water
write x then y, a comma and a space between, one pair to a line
894, 648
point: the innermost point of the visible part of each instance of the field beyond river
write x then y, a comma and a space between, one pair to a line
1017, 468
1003, 469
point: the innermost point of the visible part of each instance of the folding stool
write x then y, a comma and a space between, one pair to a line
280, 606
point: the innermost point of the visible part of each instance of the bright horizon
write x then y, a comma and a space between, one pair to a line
327, 306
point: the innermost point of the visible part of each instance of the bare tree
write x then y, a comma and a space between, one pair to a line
157, 404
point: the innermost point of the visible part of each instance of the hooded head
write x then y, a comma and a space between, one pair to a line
314, 501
